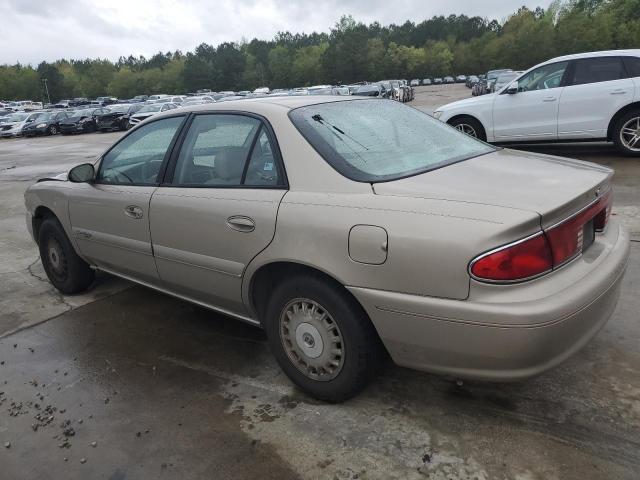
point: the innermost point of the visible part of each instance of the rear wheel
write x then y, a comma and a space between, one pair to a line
470, 126
66, 270
626, 134
53, 130
322, 338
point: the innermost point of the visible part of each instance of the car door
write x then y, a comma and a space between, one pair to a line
531, 113
217, 208
597, 88
110, 216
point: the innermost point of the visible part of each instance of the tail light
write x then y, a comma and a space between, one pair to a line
514, 262
566, 237
544, 251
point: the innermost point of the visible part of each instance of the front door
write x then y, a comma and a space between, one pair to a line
217, 209
531, 113
110, 217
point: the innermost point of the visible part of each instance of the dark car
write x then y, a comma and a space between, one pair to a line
48, 123
82, 120
373, 90
117, 117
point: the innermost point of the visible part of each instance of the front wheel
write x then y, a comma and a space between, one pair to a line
66, 270
322, 338
470, 126
626, 134
53, 130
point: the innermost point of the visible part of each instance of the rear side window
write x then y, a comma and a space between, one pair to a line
633, 66
598, 69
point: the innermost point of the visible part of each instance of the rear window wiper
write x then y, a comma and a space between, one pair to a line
318, 118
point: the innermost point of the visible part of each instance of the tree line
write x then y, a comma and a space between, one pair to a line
351, 51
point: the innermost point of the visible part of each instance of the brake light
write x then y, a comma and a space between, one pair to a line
543, 251
517, 261
566, 237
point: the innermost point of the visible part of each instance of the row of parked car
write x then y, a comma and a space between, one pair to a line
81, 115
492, 81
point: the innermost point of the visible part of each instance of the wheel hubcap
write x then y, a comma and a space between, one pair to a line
56, 258
630, 134
312, 339
466, 128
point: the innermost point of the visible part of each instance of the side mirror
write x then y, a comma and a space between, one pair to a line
82, 173
512, 88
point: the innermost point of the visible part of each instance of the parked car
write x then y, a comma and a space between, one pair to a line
47, 123
157, 96
335, 256
471, 81
415, 82
588, 96
82, 120
504, 79
448, 79
437, 81
150, 110
371, 90
117, 117
461, 79
426, 81
13, 124
262, 90
104, 101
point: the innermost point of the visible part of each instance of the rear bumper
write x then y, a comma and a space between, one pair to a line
504, 333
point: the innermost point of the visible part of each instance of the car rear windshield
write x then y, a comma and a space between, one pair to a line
381, 140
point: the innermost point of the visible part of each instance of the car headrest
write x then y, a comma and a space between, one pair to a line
230, 163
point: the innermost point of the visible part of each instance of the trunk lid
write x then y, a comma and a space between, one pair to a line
553, 187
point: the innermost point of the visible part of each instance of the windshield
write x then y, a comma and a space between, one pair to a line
45, 116
17, 117
380, 140
119, 108
151, 108
83, 113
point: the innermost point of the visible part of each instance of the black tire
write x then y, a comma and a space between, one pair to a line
477, 127
52, 130
617, 133
66, 270
359, 341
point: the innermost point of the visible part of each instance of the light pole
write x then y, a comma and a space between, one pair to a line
44, 80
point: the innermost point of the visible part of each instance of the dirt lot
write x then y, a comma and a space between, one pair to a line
125, 383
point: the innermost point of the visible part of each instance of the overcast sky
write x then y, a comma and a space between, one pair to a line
36, 30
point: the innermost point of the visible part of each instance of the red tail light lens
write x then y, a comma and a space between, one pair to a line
566, 237
518, 261
542, 252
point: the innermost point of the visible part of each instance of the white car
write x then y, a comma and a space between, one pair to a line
13, 124
585, 97
149, 111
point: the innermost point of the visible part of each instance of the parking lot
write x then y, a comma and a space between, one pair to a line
124, 383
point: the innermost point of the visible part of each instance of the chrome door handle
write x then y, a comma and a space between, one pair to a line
133, 211
618, 92
549, 99
241, 223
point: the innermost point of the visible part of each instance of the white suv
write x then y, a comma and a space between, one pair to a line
584, 97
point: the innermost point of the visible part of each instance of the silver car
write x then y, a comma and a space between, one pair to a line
347, 227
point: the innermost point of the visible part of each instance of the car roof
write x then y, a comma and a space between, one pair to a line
265, 103
603, 53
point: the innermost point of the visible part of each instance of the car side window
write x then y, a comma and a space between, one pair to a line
138, 157
215, 150
262, 169
598, 69
542, 78
633, 66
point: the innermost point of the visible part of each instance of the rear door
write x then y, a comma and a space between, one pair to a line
532, 112
110, 217
597, 88
217, 208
